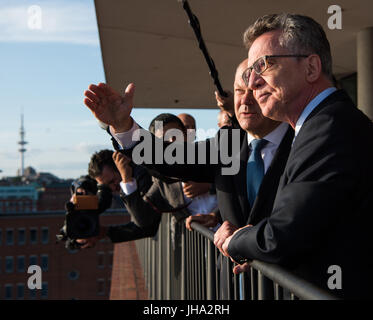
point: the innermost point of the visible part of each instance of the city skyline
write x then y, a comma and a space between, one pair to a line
44, 74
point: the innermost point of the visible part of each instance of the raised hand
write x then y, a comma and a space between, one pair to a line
122, 163
109, 106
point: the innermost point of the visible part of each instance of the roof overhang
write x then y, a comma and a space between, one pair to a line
151, 44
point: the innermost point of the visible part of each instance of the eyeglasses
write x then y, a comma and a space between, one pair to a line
262, 64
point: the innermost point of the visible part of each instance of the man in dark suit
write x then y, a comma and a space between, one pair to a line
109, 107
322, 212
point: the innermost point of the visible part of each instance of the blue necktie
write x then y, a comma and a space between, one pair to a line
255, 169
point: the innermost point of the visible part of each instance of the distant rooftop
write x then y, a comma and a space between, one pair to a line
31, 176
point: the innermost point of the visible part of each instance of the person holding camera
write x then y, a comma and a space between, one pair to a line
112, 169
133, 182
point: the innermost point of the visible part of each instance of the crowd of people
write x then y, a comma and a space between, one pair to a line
302, 195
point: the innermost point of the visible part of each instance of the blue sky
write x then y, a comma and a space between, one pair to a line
44, 72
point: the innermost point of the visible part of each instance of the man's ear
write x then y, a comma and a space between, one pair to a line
313, 68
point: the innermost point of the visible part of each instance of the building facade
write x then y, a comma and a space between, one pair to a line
29, 239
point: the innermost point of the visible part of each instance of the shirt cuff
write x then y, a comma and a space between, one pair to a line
127, 139
128, 187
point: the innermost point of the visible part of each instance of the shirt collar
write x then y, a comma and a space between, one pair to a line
274, 136
311, 106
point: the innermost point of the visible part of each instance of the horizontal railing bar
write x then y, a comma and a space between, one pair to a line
203, 230
300, 287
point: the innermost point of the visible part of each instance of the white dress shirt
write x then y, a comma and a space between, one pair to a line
126, 139
204, 203
274, 139
310, 107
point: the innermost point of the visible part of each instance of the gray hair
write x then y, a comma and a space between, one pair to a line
300, 34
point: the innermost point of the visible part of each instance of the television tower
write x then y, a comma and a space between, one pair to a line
22, 143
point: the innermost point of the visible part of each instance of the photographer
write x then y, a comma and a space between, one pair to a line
112, 169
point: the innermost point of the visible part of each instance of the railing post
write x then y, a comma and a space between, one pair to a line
265, 287
228, 277
217, 273
211, 277
236, 287
159, 259
254, 284
183, 272
245, 283
167, 260
154, 268
279, 294
198, 283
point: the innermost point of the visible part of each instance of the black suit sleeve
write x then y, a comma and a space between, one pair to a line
197, 161
145, 219
130, 231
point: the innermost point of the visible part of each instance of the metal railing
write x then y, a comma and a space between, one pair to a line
183, 264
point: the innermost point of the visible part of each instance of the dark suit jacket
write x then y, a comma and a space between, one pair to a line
160, 198
230, 189
142, 225
323, 210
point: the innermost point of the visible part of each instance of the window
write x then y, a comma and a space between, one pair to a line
44, 290
108, 284
33, 235
8, 291
21, 263
100, 286
44, 235
44, 262
33, 260
20, 291
9, 237
100, 259
110, 258
73, 275
32, 293
8, 264
21, 236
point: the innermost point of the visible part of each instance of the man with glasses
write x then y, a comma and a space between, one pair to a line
322, 214
237, 194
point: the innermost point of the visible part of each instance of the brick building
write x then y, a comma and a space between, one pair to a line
54, 196
19, 198
29, 238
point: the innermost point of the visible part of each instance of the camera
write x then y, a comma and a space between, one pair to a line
88, 201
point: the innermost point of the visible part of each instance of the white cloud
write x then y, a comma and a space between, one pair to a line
61, 21
88, 148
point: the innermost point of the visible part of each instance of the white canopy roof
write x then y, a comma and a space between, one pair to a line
150, 43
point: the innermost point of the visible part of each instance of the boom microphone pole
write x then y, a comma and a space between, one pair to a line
194, 23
